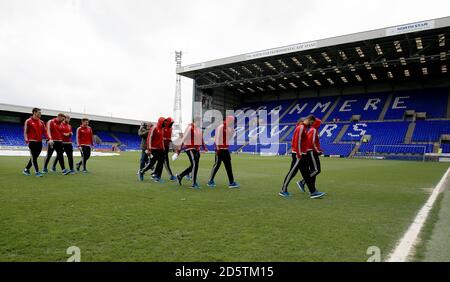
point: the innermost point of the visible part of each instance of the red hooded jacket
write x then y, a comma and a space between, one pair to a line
167, 132
313, 137
193, 138
155, 139
224, 133
300, 140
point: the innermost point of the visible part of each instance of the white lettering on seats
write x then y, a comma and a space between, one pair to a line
346, 107
372, 103
398, 104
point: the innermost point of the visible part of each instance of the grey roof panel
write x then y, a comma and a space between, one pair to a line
344, 39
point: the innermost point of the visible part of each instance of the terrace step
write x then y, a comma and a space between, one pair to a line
355, 149
325, 117
115, 138
287, 110
409, 133
287, 134
386, 107
436, 147
341, 133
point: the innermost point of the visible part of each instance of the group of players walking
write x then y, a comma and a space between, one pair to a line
58, 133
305, 157
157, 139
155, 145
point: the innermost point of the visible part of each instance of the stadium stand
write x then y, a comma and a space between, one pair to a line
328, 134
11, 134
271, 107
368, 106
430, 131
105, 136
388, 137
445, 147
384, 80
131, 141
303, 107
384, 136
338, 149
338, 135
266, 133
431, 101
381, 132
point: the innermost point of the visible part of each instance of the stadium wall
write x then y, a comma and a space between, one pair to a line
222, 99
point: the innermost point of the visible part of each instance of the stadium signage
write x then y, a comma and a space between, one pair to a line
282, 50
406, 28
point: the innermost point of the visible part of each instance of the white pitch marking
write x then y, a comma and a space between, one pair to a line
406, 245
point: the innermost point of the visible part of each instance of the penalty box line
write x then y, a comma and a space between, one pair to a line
409, 240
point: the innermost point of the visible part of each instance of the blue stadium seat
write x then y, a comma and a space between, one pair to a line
267, 133
105, 136
337, 149
445, 148
11, 134
327, 134
272, 107
381, 132
369, 106
430, 131
131, 141
431, 101
396, 149
303, 107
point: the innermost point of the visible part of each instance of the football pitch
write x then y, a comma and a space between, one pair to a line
111, 216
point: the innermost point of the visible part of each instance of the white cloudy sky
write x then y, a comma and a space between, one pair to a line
116, 57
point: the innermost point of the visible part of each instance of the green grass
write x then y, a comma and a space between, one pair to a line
434, 244
111, 216
427, 231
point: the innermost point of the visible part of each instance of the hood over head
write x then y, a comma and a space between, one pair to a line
169, 122
316, 123
160, 122
300, 122
229, 120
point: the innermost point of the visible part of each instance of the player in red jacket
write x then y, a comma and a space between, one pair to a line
314, 151
85, 140
55, 135
155, 149
33, 130
66, 131
167, 135
224, 133
192, 141
300, 159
